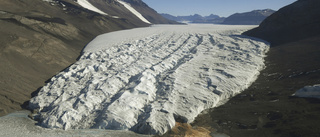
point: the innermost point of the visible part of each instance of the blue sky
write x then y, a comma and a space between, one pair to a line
222, 8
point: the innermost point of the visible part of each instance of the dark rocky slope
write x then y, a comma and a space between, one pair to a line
39, 39
248, 18
294, 22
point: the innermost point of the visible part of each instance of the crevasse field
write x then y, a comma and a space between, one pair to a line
147, 79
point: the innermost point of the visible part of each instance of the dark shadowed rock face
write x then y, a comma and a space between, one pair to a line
294, 22
40, 38
248, 18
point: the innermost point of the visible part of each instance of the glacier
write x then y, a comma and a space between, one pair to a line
147, 79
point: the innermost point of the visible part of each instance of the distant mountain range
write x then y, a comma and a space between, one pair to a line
248, 18
254, 17
297, 21
196, 18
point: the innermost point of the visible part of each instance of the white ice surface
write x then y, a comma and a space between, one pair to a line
144, 79
89, 6
133, 11
19, 125
309, 92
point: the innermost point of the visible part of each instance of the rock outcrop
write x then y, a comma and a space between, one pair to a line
294, 22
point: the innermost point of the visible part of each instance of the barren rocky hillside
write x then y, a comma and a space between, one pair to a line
294, 22
39, 38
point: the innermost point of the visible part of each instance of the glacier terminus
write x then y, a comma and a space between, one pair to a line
147, 79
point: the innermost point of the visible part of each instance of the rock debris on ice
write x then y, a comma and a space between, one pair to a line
145, 79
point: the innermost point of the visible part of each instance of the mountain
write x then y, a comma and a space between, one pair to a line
39, 38
196, 18
149, 13
183, 18
294, 22
170, 17
248, 18
215, 19
212, 16
122, 9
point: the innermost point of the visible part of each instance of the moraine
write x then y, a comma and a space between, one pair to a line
146, 79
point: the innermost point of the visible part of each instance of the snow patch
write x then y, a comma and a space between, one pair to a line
89, 6
132, 10
309, 92
145, 79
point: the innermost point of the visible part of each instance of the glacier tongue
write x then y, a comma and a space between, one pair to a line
146, 79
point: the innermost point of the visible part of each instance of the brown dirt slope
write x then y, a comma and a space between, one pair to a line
39, 39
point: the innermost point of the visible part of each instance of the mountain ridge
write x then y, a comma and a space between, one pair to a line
291, 23
196, 18
254, 17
